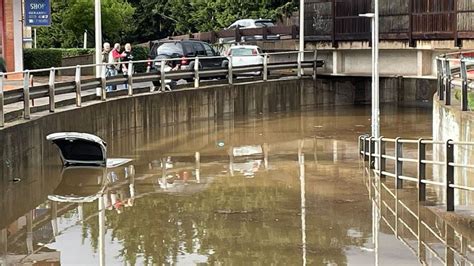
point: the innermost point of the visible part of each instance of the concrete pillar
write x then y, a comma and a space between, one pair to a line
423, 63
18, 35
337, 62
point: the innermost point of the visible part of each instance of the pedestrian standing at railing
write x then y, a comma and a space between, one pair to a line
127, 56
105, 60
114, 64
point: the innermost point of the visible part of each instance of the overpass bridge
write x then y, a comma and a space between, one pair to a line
412, 34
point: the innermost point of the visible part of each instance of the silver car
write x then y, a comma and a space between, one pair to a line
252, 24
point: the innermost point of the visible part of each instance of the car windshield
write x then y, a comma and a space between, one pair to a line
264, 23
242, 52
170, 48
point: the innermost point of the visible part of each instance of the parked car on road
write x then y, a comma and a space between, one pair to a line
246, 55
185, 50
252, 24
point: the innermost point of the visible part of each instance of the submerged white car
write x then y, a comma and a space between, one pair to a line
246, 55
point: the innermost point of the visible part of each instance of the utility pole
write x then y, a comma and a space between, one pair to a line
375, 128
301, 39
98, 42
376, 92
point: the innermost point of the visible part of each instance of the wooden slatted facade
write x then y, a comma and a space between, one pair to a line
406, 20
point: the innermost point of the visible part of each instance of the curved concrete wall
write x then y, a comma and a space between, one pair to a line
449, 122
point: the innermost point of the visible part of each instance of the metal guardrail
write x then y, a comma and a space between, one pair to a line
451, 67
79, 85
409, 224
367, 150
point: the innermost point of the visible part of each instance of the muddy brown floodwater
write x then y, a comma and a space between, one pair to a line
284, 189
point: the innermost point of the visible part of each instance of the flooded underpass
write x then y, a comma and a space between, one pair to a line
284, 189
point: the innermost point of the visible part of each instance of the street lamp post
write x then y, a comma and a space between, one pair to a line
301, 39
375, 128
98, 42
374, 17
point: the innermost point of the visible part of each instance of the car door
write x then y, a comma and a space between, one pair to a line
201, 52
212, 62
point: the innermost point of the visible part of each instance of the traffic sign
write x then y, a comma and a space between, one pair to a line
37, 13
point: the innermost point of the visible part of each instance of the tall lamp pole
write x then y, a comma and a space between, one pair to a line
301, 39
375, 72
374, 17
98, 41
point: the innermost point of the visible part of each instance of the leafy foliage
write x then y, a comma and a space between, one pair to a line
138, 21
42, 58
76, 52
71, 18
46, 58
140, 53
160, 18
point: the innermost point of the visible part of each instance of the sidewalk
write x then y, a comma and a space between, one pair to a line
16, 82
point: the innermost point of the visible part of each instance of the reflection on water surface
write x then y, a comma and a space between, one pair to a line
286, 189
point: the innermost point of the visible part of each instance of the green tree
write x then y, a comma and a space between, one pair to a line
157, 19
71, 18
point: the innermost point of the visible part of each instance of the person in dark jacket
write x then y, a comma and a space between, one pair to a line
126, 57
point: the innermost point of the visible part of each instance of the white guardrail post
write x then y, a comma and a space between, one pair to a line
52, 77
300, 56
230, 74
26, 94
196, 73
103, 83
78, 86
265, 67
162, 76
130, 78
2, 112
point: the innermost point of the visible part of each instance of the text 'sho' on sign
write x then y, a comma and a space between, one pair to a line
37, 13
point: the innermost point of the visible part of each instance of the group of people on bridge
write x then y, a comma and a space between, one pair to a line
116, 60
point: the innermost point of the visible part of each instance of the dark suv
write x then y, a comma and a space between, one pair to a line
186, 49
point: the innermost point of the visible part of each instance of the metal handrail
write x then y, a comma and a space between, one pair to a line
79, 84
447, 75
419, 230
366, 150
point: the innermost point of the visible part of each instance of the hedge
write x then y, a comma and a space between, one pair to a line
140, 53
41, 58
76, 52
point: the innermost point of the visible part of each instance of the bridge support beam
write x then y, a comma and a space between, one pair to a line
337, 62
423, 63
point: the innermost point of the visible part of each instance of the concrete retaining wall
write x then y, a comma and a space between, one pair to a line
450, 123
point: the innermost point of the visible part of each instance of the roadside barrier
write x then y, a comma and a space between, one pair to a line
305, 60
378, 162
